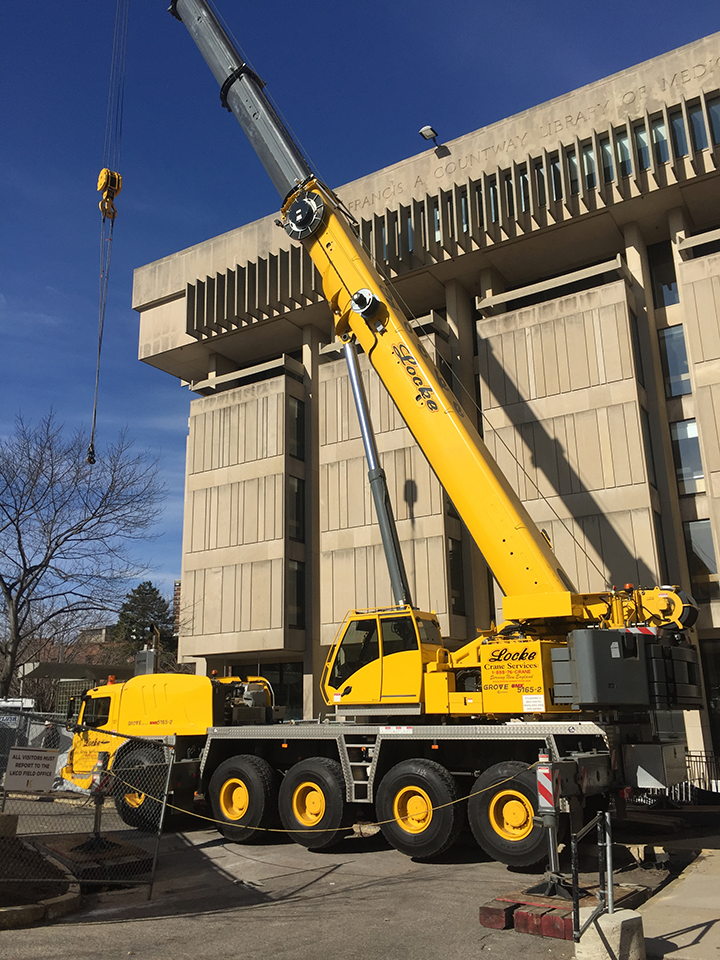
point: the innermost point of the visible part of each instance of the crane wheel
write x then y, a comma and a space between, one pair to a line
139, 785
418, 810
243, 796
312, 803
501, 807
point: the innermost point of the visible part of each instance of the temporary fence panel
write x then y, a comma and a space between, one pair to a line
107, 835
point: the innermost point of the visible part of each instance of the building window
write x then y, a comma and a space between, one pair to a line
713, 109
642, 146
623, 152
295, 594
457, 579
701, 559
409, 228
524, 191
637, 354
478, 403
679, 135
540, 180
607, 159
647, 442
662, 274
450, 210
286, 680
510, 196
572, 162
296, 508
697, 127
589, 166
436, 220
556, 177
686, 454
296, 428
660, 141
494, 211
673, 357
479, 205
464, 212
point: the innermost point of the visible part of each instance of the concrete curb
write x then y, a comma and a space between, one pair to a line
48, 910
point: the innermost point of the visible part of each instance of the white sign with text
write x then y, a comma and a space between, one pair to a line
30, 768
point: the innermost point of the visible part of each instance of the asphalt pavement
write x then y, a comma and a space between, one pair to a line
362, 899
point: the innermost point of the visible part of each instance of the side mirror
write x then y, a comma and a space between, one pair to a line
70, 710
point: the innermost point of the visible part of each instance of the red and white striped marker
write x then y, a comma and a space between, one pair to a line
545, 785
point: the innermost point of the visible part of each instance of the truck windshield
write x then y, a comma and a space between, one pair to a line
358, 647
96, 711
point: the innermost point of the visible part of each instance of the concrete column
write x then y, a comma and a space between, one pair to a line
637, 261
697, 728
314, 657
460, 315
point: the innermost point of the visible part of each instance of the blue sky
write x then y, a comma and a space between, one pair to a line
354, 81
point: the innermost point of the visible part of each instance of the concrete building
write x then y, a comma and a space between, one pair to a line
563, 266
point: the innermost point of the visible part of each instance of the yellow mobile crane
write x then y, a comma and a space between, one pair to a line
448, 723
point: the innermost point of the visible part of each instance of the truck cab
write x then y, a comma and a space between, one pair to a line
379, 657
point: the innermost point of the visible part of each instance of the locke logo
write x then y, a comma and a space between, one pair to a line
425, 392
498, 656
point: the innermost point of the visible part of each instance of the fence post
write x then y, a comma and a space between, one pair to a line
609, 863
171, 749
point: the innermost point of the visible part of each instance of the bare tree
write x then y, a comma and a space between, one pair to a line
66, 529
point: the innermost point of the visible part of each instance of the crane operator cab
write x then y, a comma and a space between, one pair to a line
378, 657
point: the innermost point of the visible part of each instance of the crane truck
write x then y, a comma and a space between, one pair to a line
421, 736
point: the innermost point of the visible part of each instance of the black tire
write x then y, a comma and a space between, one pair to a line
139, 785
501, 807
312, 803
418, 810
243, 797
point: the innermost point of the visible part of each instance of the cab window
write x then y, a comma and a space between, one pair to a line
398, 635
358, 647
429, 632
96, 712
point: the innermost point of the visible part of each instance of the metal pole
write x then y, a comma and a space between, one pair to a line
162, 820
609, 863
552, 844
575, 888
378, 484
601, 859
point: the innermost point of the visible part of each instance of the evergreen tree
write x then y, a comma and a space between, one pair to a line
143, 607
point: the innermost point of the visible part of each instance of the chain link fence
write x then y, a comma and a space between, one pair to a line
54, 833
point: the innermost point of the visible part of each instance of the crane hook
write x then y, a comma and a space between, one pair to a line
111, 184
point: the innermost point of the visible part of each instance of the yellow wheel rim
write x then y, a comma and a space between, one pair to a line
134, 799
234, 799
511, 815
412, 809
308, 804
